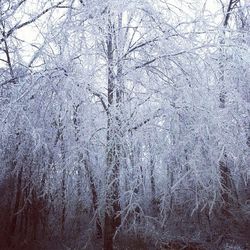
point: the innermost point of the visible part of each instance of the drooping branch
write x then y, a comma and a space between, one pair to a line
100, 98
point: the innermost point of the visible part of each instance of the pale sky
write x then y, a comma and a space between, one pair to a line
31, 35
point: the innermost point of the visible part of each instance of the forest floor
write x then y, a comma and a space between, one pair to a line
131, 243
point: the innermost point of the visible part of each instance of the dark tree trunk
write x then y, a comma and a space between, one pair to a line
13, 222
60, 139
63, 203
94, 195
152, 179
112, 210
225, 174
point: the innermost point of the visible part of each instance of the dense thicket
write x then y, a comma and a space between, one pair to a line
124, 124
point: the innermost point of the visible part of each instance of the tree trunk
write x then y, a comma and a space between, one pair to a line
112, 210
225, 173
60, 138
63, 203
94, 198
14, 216
152, 180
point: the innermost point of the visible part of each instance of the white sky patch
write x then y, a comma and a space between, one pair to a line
33, 39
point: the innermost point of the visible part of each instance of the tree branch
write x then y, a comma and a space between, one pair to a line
139, 125
101, 99
231, 6
19, 26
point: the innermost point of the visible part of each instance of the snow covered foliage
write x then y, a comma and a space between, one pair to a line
120, 117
